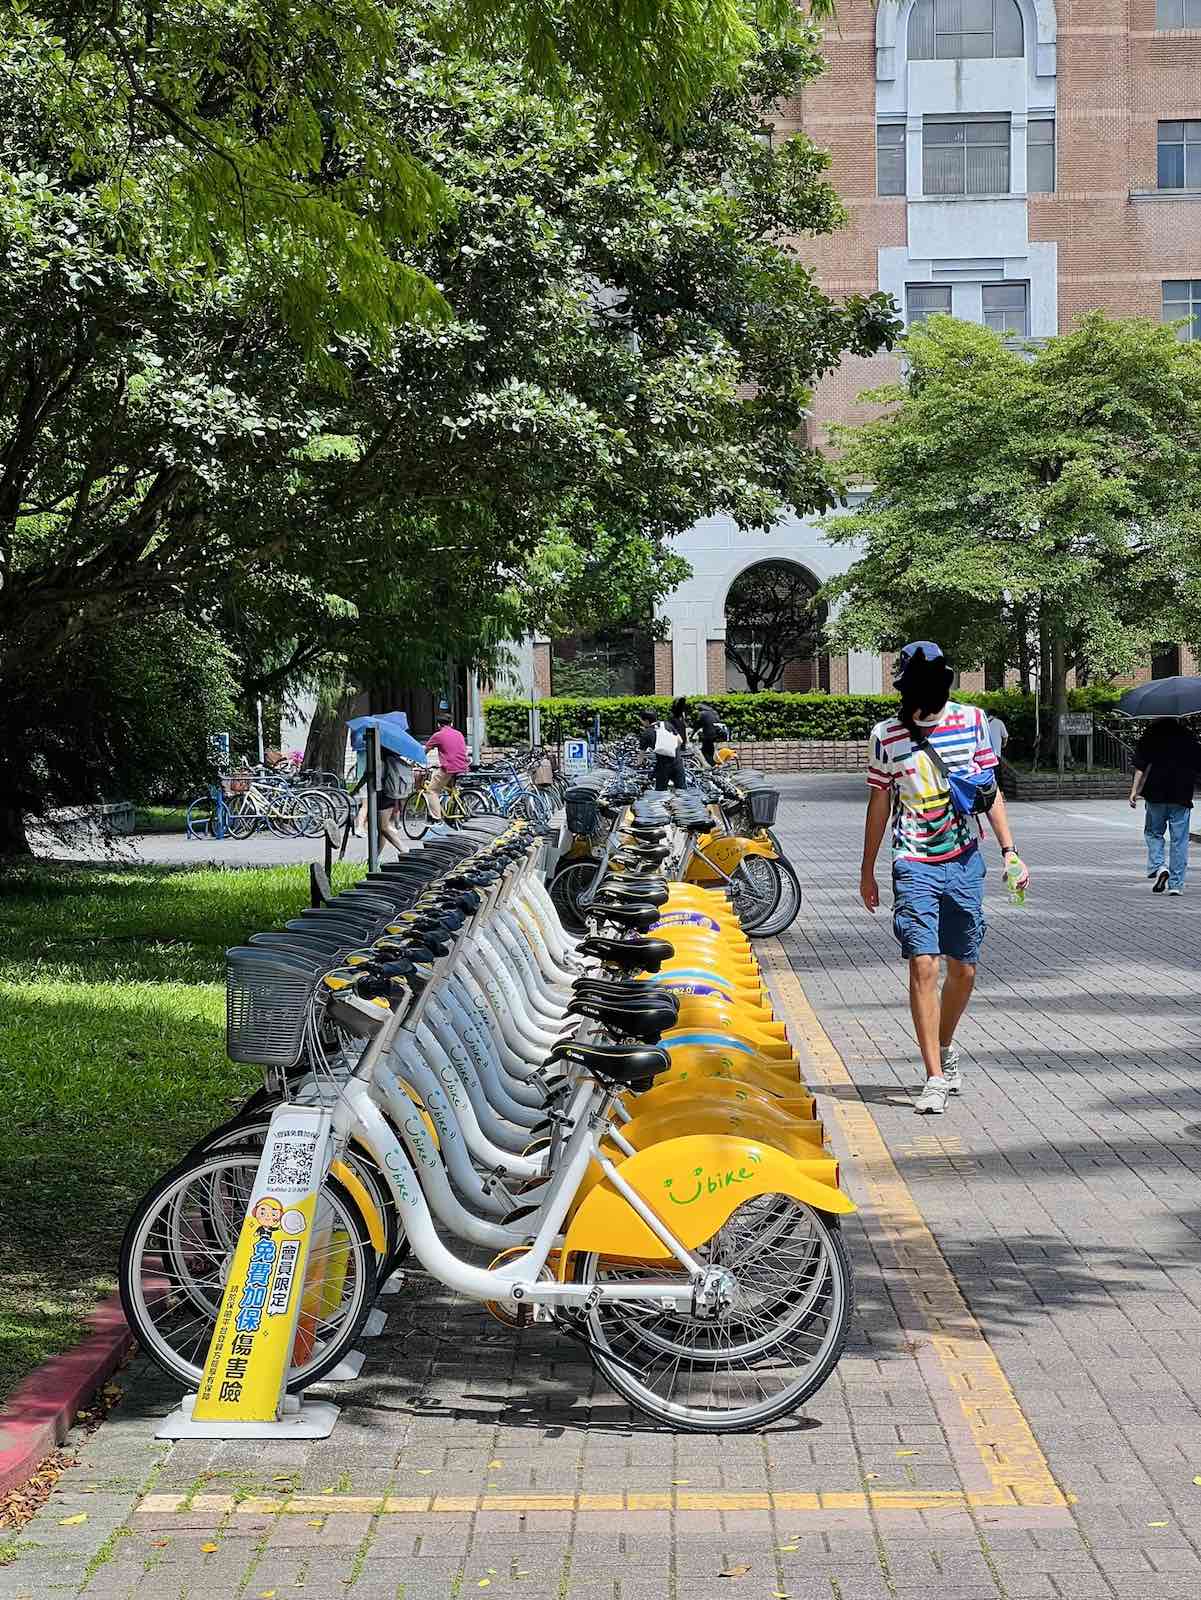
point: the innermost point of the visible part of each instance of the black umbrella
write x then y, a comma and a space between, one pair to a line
1164, 697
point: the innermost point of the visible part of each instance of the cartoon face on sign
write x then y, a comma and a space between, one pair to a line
268, 1213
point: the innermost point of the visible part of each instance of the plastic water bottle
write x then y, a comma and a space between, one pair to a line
1013, 871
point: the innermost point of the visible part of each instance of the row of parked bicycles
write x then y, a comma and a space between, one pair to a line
723, 838
277, 799
614, 1116
290, 803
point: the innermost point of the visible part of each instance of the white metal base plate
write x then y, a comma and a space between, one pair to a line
349, 1367
309, 1419
375, 1324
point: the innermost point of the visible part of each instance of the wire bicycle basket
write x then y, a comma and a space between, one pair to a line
583, 813
267, 996
761, 806
237, 783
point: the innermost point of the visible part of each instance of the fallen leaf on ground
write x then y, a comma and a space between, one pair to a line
906, 1453
681, 1480
1157, 1524
1197, 1480
282, 1477
492, 1464
424, 1472
80, 1415
740, 1571
208, 1548
314, 1522
788, 1547
265, 1594
483, 1583
71, 1522
160, 1544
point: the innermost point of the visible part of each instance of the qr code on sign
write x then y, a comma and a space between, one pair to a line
291, 1164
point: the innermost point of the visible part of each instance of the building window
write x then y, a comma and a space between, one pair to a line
957, 30
1007, 309
1040, 156
924, 300
1165, 661
965, 157
1180, 155
1178, 14
1182, 301
890, 158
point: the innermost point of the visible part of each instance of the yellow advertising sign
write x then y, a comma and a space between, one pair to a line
251, 1350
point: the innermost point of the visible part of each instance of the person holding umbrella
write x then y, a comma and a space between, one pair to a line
1167, 760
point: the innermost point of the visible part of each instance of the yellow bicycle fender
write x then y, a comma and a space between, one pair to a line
769, 1054
687, 1091
698, 1065
735, 1122
718, 853
694, 1185
712, 1005
351, 1181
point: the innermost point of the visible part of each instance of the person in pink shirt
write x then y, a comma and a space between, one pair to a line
452, 758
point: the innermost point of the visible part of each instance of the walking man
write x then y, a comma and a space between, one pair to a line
1166, 761
938, 864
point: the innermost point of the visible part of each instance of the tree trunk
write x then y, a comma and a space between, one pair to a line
1044, 661
1022, 618
13, 840
1059, 683
326, 744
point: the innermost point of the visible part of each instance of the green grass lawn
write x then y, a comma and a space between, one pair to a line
112, 1062
161, 819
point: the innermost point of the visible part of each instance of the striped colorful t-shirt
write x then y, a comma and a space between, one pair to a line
925, 826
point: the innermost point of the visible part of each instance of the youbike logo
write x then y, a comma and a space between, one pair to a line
702, 1182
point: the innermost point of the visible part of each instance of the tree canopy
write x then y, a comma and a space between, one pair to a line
627, 346
262, 131
1049, 490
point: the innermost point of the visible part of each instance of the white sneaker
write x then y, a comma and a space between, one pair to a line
949, 1056
932, 1101
1175, 891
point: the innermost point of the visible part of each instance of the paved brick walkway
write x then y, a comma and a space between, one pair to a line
1016, 1418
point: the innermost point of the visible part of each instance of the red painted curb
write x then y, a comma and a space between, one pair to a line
36, 1416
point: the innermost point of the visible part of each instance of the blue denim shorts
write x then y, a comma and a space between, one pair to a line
939, 910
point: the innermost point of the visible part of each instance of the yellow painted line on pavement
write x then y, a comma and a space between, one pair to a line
1013, 1464
455, 1504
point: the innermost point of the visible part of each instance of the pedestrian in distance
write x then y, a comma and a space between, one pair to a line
451, 748
706, 731
931, 773
998, 734
1167, 760
666, 738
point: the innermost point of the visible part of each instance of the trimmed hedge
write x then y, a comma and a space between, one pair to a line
755, 717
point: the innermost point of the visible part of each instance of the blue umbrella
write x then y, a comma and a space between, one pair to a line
394, 734
1163, 697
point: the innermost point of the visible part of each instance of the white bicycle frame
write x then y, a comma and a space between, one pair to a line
520, 1280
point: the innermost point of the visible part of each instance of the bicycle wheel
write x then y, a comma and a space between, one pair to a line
241, 817
308, 813
176, 1254
198, 823
789, 904
475, 803
755, 888
772, 1344
248, 1130
566, 887
414, 814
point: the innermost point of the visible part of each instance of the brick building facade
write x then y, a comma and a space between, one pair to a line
1014, 162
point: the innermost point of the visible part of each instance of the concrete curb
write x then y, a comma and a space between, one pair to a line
37, 1415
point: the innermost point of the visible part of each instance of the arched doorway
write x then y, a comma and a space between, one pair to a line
775, 629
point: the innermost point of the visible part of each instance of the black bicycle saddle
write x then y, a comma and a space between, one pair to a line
630, 955
632, 1066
